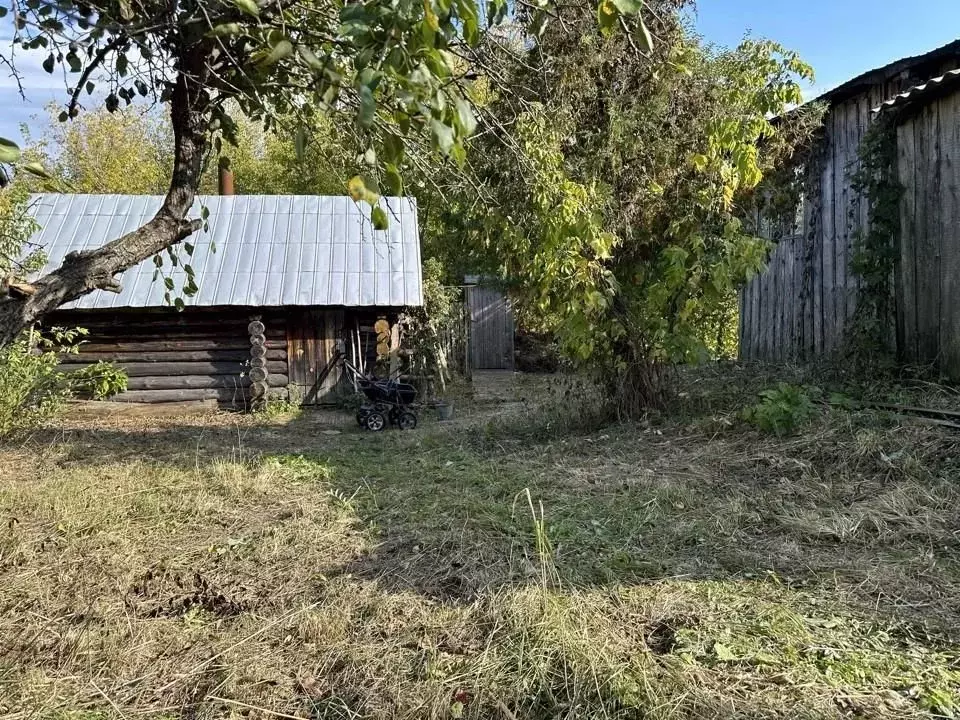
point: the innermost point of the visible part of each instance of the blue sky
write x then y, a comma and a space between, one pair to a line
840, 38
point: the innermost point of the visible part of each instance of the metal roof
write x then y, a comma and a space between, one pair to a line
914, 65
918, 91
259, 250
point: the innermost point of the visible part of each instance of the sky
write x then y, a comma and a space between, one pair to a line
840, 38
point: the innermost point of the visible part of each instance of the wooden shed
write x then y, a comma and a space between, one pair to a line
492, 328
802, 306
281, 280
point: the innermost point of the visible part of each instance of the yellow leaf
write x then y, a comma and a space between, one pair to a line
356, 188
432, 20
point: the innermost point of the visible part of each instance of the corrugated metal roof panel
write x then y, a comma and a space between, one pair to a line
918, 91
259, 250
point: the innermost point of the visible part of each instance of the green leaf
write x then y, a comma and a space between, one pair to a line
90, 88
48, 63
225, 30
247, 6
723, 653
310, 59
73, 60
126, 12
628, 7
179, 304
379, 218
368, 107
392, 180
122, 63
370, 157
644, 37
607, 16
300, 143
468, 123
467, 11
3, 11
189, 248
443, 137
168, 282
283, 49
393, 148
35, 168
9, 151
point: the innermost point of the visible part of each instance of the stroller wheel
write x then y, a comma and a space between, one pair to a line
407, 421
375, 421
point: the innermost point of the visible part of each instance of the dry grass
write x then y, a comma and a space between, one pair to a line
687, 568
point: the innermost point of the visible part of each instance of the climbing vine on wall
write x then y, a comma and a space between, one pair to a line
876, 243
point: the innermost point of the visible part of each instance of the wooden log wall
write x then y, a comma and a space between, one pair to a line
199, 354
801, 306
928, 274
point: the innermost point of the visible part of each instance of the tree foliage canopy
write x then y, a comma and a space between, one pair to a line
400, 69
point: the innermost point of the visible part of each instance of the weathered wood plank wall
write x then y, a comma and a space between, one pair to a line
311, 352
801, 306
491, 329
198, 354
928, 272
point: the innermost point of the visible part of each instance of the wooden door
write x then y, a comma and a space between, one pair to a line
311, 346
491, 329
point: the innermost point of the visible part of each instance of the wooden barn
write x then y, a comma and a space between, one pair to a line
281, 279
802, 306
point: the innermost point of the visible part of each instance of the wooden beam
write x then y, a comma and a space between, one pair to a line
162, 345
235, 397
84, 358
146, 369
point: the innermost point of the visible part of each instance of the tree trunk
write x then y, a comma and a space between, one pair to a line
83, 272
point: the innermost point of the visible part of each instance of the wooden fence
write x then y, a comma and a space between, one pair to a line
928, 272
801, 307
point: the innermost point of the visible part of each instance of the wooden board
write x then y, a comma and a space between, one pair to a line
950, 241
311, 347
491, 329
141, 369
239, 356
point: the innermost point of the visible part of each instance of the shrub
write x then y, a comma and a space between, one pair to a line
98, 381
32, 390
782, 409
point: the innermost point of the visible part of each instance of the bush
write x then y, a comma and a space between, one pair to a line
31, 389
782, 409
98, 381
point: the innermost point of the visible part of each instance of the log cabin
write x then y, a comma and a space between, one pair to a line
281, 279
803, 306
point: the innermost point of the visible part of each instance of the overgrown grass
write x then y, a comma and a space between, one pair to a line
540, 567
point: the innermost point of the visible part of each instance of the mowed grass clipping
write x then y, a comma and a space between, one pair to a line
497, 568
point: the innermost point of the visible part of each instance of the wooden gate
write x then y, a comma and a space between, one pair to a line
491, 329
311, 346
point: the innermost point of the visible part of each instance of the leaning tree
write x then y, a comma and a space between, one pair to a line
398, 68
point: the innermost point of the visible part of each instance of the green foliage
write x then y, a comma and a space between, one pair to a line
399, 70
98, 381
32, 390
128, 151
424, 328
782, 409
875, 245
16, 227
612, 195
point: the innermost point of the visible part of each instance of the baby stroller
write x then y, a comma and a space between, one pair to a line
387, 401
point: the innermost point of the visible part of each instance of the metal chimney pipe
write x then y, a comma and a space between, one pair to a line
226, 181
